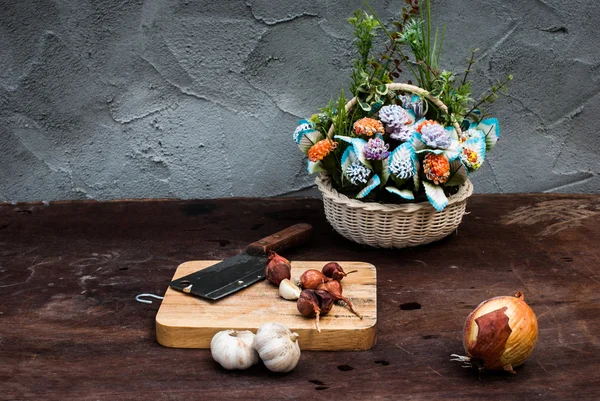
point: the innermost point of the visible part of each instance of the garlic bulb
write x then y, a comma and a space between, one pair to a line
234, 349
500, 333
277, 346
288, 290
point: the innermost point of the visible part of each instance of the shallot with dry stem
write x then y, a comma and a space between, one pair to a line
314, 303
334, 288
499, 334
335, 271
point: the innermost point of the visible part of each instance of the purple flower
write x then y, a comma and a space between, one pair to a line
403, 133
396, 119
376, 149
436, 136
414, 103
397, 122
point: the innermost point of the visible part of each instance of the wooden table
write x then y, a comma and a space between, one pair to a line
70, 328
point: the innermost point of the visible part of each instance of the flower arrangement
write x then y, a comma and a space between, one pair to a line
395, 146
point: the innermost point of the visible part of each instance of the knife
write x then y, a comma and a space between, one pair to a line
242, 270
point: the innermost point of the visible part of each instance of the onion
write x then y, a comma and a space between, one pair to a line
335, 271
334, 288
499, 334
314, 303
312, 278
278, 268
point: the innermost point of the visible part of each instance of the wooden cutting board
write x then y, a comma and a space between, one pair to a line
185, 321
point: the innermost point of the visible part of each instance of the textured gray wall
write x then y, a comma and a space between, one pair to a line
163, 98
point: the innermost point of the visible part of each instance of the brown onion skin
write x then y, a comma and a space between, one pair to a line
334, 270
334, 288
314, 303
515, 336
278, 268
308, 303
311, 279
325, 301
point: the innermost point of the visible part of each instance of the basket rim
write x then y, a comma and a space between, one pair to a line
323, 182
406, 88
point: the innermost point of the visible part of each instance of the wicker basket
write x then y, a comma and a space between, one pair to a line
388, 225
393, 225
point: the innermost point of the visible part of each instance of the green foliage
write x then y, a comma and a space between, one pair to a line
456, 97
364, 31
365, 26
340, 120
424, 44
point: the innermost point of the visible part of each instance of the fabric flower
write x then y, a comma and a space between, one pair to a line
473, 153
406, 101
401, 164
414, 103
376, 149
437, 168
368, 126
472, 133
397, 122
470, 159
402, 168
321, 149
303, 127
434, 134
358, 173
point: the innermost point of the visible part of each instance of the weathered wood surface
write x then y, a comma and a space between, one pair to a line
184, 321
71, 330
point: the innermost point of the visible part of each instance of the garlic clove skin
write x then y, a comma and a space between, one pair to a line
277, 346
234, 349
288, 290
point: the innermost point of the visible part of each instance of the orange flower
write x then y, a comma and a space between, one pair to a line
321, 149
424, 124
368, 126
437, 168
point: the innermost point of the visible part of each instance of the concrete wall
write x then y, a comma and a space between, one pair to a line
197, 99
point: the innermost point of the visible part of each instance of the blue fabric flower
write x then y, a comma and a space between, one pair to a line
304, 127
358, 173
402, 163
472, 133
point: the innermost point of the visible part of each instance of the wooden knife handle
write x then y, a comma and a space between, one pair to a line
291, 236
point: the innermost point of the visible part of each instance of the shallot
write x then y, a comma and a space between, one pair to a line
312, 278
278, 268
499, 334
335, 271
314, 303
334, 288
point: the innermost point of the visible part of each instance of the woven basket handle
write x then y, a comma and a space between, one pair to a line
406, 88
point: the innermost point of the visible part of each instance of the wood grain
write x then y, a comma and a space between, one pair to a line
70, 328
282, 240
184, 321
